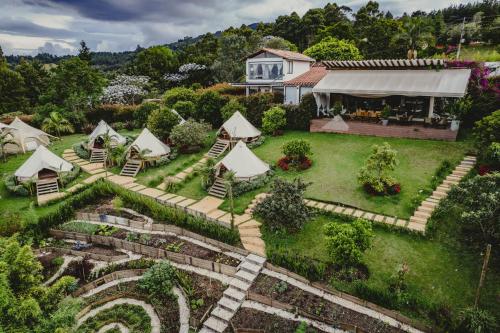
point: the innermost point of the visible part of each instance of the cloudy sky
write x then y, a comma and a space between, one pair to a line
57, 26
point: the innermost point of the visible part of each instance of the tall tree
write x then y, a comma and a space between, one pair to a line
12, 91
415, 35
289, 28
229, 67
155, 62
312, 21
35, 79
84, 52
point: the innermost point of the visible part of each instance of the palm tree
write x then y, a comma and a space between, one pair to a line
415, 34
142, 153
118, 155
106, 145
57, 124
6, 139
207, 172
229, 178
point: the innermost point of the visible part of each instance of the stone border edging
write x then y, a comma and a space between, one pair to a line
95, 256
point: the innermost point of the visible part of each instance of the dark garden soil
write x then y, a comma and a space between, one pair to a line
314, 305
106, 207
264, 322
167, 309
209, 290
175, 244
104, 250
49, 268
80, 270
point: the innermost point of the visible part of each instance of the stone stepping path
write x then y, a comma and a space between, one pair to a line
422, 214
67, 260
179, 177
339, 210
120, 327
234, 296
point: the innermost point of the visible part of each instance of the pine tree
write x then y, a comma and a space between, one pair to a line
84, 52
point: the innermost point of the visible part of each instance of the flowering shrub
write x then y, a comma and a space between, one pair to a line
125, 89
184, 72
285, 163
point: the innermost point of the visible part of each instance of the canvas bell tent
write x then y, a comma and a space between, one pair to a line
27, 138
243, 162
43, 164
236, 128
96, 137
147, 148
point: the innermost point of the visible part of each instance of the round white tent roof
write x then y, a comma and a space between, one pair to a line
5, 126
239, 127
243, 162
146, 140
41, 159
26, 136
103, 128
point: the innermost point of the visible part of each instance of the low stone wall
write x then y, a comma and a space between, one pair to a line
148, 251
111, 219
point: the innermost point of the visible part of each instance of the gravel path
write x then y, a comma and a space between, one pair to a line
181, 300
290, 316
155, 320
67, 260
342, 302
108, 327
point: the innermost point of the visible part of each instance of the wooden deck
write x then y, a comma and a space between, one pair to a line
392, 130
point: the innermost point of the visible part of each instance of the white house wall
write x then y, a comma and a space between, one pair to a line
299, 67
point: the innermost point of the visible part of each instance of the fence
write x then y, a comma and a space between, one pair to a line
95, 256
389, 313
158, 227
147, 251
290, 308
108, 278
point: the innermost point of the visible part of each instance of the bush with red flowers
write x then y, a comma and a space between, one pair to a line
296, 152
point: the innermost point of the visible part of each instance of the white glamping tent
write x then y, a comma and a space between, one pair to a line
245, 165
43, 164
95, 138
234, 129
243, 162
148, 143
238, 128
28, 138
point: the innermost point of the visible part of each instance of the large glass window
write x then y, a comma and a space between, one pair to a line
265, 71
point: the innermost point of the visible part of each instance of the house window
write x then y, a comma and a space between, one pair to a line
290, 67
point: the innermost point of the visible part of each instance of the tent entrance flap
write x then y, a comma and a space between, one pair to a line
437, 83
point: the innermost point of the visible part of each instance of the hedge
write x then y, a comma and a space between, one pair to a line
313, 270
111, 113
139, 203
244, 186
80, 151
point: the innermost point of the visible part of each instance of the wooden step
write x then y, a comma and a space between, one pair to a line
47, 186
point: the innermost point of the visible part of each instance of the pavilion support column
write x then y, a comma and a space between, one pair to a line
247, 90
431, 106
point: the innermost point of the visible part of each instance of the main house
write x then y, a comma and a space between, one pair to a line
267, 69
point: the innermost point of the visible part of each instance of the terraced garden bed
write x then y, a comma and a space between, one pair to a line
314, 305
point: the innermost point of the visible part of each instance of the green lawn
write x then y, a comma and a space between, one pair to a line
18, 204
337, 159
442, 273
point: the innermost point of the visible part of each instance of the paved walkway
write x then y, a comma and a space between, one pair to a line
122, 328
422, 214
67, 260
420, 217
234, 296
155, 320
181, 176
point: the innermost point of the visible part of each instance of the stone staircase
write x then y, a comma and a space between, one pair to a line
131, 168
219, 147
98, 156
425, 210
234, 296
218, 189
46, 186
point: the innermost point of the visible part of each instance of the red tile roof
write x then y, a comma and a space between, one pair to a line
289, 55
309, 78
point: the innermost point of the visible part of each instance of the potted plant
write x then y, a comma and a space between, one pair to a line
337, 109
386, 113
456, 110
